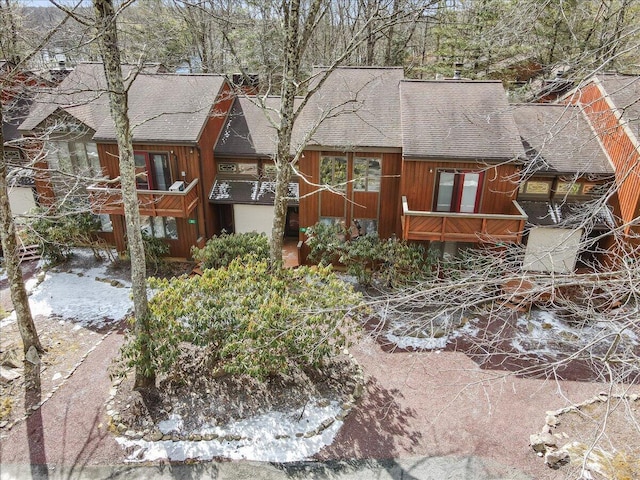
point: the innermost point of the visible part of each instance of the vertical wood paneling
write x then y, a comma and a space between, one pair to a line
390, 209
195, 162
419, 180
183, 158
309, 168
619, 147
207, 143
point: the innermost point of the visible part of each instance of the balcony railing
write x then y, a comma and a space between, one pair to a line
155, 203
463, 227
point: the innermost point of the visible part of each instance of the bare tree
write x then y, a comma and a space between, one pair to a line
118, 100
12, 260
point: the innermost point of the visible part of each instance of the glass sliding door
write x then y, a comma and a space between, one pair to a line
459, 192
152, 171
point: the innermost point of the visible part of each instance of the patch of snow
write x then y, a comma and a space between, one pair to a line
271, 437
544, 333
82, 298
173, 425
427, 343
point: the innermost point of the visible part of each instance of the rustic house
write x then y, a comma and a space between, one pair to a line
175, 122
448, 162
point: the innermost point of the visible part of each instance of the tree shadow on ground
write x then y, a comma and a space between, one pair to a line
374, 426
35, 427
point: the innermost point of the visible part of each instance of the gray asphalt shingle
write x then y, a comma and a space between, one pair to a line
458, 119
558, 138
163, 108
624, 92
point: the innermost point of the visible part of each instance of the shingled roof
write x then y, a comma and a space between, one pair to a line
558, 138
458, 119
624, 92
163, 108
356, 107
248, 131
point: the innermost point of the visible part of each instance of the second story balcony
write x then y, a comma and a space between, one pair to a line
106, 198
463, 227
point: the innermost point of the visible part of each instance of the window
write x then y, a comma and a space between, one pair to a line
332, 221
152, 171
105, 222
366, 174
568, 188
159, 227
536, 188
12, 157
269, 171
74, 157
333, 171
459, 191
366, 226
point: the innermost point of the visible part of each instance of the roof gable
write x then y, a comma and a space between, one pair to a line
162, 107
248, 131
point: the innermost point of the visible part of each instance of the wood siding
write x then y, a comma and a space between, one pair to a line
618, 145
182, 158
383, 205
208, 140
499, 186
154, 203
196, 219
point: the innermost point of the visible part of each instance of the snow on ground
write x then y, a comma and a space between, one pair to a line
544, 333
539, 333
84, 295
271, 437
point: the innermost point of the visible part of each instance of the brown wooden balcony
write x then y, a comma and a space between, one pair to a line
156, 203
463, 227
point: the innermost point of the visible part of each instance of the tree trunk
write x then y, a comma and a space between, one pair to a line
118, 102
19, 297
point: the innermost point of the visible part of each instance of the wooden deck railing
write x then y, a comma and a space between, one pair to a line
156, 203
463, 227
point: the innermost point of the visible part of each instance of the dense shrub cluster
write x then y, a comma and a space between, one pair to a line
250, 319
57, 235
221, 250
390, 262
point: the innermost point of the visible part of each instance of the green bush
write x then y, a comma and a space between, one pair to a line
249, 319
155, 249
221, 250
391, 262
57, 235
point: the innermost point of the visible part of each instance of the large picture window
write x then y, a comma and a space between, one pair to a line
159, 227
333, 172
80, 158
152, 171
366, 174
459, 191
